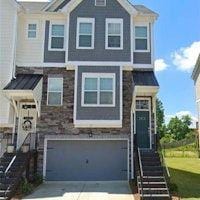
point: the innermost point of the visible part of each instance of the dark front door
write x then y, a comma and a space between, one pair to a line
142, 129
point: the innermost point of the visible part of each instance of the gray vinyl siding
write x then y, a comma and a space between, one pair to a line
88, 9
51, 56
143, 57
98, 113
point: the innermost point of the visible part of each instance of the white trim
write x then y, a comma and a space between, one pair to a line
75, 94
152, 45
67, 38
60, 92
85, 20
114, 21
36, 22
57, 22
132, 38
100, 5
142, 24
98, 123
77, 139
98, 76
143, 66
121, 93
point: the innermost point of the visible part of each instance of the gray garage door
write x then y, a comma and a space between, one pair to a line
96, 160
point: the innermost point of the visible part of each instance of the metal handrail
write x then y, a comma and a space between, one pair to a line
140, 162
164, 164
140, 171
19, 151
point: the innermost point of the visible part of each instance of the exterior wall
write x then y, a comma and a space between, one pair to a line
98, 113
8, 20
144, 57
30, 50
56, 120
51, 56
112, 10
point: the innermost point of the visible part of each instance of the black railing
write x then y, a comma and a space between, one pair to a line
140, 173
29, 144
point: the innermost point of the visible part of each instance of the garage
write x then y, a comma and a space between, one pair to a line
86, 160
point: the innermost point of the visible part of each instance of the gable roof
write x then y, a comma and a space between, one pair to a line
33, 6
144, 10
62, 3
196, 70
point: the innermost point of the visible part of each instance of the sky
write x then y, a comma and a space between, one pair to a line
177, 45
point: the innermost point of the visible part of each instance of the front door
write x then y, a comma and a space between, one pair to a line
27, 122
142, 129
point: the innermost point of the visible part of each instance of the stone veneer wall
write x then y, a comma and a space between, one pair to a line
59, 120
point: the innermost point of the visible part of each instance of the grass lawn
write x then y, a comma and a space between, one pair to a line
185, 173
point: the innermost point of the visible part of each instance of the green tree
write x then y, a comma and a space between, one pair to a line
179, 128
160, 118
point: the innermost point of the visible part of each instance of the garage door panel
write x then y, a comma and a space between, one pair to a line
86, 160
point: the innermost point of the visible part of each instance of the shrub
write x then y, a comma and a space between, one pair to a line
37, 179
26, 187
173, 188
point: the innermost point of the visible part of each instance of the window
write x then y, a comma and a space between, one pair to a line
55, 91
142, 104
100, 2
114, 33
85, 33
32, 30
57, 37
141, 38
98, 90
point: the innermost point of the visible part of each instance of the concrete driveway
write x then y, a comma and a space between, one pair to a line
82, 191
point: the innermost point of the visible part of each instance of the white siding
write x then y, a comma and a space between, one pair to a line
8, 21
30, 52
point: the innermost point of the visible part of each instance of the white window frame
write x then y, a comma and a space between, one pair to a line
148, 35
50, 35
100, 5
98, 76
115, 20
85, 20
61, 103
27, 29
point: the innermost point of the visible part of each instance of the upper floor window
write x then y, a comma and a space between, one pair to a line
98, 89
55, 91
141, 38
85, 33
57, 32
32, 30
114, 33
100, 2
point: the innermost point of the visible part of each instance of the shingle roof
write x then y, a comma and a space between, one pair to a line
144, 78
144, 10
24, 82
33, 6
196, 69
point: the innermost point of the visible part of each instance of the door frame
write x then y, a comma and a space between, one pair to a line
76, 139
150, 111
20, 118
